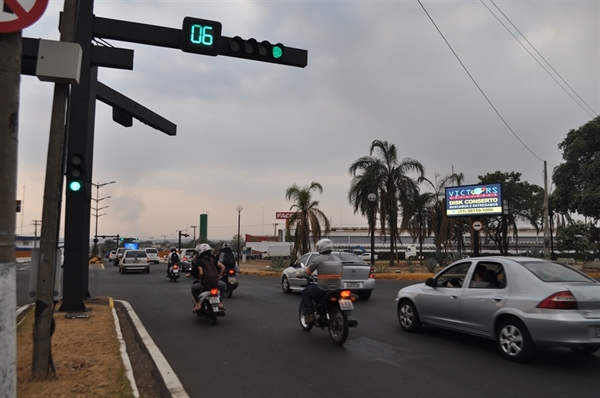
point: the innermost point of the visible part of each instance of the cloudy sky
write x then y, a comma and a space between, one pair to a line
247, 130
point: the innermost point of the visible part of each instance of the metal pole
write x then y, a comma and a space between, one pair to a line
371, 198
372, 237
239, 209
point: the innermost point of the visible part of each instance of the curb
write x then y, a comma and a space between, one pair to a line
168, 375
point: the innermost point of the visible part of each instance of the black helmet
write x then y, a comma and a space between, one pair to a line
173, 250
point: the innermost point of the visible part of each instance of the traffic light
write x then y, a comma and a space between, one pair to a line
263, 51
75, 173
200, 36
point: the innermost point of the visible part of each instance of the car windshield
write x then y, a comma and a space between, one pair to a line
555, 272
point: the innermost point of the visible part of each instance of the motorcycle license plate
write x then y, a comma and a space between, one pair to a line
353, 285
213, 300
231, 280
346, 305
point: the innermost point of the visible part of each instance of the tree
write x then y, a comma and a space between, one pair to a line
579, 237
577, 180
525, 203
234, 243
442, 227
383, 174
308, 217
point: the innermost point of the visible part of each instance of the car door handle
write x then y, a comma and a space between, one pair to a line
497, 299
454, 296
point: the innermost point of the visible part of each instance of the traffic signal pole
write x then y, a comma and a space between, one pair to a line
197, 36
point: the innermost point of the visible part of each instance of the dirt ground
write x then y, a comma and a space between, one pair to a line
87, 358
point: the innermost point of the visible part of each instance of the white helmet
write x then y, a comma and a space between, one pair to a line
202, 248
324, 245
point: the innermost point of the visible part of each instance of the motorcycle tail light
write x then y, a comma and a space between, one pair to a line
559, 301
214, 291
230, 272
345, 294
175, 266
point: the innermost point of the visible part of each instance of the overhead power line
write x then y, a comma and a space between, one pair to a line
475, 82
594, 113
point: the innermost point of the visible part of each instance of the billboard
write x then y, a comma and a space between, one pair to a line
130, 245
474, 200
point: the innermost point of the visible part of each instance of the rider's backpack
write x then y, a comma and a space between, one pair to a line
174, 258
210, 275
228, 260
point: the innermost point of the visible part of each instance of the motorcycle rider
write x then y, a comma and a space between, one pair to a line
172, 259
204, 258
329, 269
227, 258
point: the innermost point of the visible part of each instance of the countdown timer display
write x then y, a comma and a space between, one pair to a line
200, 36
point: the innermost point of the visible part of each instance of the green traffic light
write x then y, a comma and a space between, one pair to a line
75, 186
277, 51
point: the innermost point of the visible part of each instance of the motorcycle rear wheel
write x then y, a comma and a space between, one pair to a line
338, 326
211, 317
305, 326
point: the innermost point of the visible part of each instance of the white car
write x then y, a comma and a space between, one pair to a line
152, 255
367, 256
357, 275
134, 260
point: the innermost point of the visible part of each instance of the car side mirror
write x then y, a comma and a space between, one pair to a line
430, 282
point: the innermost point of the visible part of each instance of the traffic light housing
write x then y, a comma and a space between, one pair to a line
75, 173
263, 51
200, 36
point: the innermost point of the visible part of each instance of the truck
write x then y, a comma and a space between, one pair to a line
280, 250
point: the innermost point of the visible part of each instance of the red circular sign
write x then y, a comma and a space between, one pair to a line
19, 14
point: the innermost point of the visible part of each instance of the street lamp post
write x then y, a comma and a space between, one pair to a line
97, 209
239, 209
372, 198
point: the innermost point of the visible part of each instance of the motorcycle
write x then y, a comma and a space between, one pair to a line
230, 282
174, 272
209, 306
332, 312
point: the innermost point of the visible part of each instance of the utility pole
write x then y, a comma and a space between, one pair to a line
546, 216
275, 224
35, 223
10, 78
42, 357
194, 228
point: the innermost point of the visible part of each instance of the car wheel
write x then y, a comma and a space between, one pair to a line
513, 340
408, 316
585, 350
364, 295
148, 270
285, 285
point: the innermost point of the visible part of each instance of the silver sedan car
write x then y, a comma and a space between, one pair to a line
357, 275
520, 302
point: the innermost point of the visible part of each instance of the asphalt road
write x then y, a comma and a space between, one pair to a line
259, 350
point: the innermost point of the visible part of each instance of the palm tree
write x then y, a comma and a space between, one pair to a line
307, 219
442, 226
383, 174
